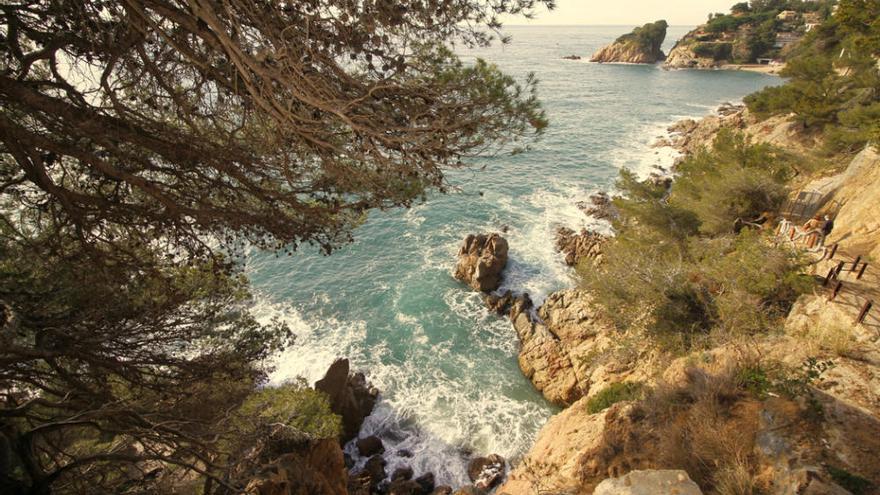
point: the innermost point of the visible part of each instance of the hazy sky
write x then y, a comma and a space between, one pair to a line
676, 12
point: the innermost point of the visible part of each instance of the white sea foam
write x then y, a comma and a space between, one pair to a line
440, 420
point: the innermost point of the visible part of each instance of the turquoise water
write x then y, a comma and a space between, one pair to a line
447, 369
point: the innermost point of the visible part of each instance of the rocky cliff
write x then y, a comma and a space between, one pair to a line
641, 46
695, 413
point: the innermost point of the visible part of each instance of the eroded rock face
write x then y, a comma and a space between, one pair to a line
481, 260
642, 46
578, 247
649, 483
316, 468
350, 395
556, 347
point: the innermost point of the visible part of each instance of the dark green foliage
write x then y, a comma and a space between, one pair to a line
612, 394
714, 50
733, 180
834, 83
649, 37
675, 264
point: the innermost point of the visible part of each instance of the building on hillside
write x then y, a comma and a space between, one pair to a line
785, 39
788, 16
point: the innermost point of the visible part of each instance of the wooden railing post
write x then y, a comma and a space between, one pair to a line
828, 278
864, 313
836, 291
862, 271
839, 268
833, 251
856, 263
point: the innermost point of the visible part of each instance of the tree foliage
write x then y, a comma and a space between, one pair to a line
834, 81
677, 267
142, 145
276, 122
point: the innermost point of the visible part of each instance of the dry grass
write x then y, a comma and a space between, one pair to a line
837, 339
707, 428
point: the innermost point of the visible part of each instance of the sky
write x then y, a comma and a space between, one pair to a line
627, 12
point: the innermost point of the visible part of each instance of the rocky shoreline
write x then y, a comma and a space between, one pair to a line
571, 354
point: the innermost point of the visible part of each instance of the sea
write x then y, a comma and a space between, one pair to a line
447, 369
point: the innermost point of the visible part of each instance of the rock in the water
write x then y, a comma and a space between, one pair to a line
481, 260
600, 206
499, 304
649, 483
469, 490
486, 472
405, 487
350, 396
572, 57
577, 247
641, 46
375, 466
315, 468
426, 481
402, 473
442, 490
369, 446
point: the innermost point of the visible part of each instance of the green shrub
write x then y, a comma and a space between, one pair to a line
714, 50
302, 410
612, 394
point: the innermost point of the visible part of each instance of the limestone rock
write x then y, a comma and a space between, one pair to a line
556, 347
641, 46
578, 247
481, 260
316, 468
486, 472
351, 396
666, 482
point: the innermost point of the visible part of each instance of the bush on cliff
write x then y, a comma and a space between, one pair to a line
677, 267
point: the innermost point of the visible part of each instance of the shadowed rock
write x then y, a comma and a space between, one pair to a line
350, 396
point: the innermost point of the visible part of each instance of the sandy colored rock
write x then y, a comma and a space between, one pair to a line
665, 482
642, 46
481, 260
553, 464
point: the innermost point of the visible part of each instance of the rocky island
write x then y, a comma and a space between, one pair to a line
641, 46
748, 35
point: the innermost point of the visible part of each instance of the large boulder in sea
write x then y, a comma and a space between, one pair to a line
481, 260
641, 46
351, 397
